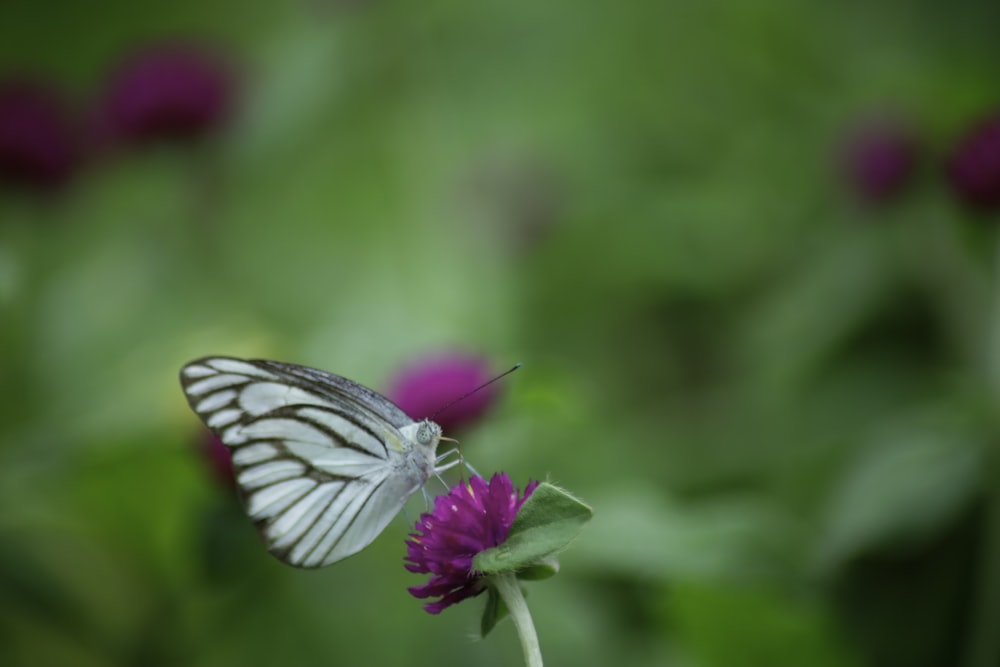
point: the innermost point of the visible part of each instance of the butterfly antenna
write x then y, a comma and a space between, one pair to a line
461, 459
470, 393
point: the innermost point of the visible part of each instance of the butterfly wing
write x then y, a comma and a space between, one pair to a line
320, 461
363, 398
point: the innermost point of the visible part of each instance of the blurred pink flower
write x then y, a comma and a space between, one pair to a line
38, 143
427, 386
168, 92
218, 457
974, 167
879, 160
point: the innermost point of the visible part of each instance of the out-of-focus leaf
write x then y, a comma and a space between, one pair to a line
69, 594
907, 484
800, 320
641, 533
761, 626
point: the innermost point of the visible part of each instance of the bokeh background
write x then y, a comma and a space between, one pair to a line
745, 250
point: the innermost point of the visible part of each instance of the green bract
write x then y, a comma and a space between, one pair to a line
547, 522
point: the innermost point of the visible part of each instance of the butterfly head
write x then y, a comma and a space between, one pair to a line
428, 434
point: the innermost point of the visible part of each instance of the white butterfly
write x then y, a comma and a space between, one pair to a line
322, 463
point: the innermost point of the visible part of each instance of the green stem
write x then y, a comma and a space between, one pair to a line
983, 647
510, 592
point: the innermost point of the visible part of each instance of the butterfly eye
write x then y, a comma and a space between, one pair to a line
427, 432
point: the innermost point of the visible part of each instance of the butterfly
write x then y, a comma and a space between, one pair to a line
322, 463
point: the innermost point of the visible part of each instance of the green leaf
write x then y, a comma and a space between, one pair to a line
548, 521
762, 626
543, 569
493, 613
903, 488
705, 540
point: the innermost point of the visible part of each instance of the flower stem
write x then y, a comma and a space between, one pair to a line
510, 592
983, 646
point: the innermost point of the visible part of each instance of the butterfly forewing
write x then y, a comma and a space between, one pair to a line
320, 461
352, 393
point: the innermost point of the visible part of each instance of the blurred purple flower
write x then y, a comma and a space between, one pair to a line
168, 92
425, 387
879, 160
974, 167
218, 457
38, 144
473, 517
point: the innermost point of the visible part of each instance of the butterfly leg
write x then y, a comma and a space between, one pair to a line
441, 466
442, 457
465, 463
468, 466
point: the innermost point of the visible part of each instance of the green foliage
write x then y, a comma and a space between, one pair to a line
548, 521
781, 403
494, 612
761, 626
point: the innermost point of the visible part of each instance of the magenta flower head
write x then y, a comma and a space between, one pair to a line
168, 92
879, 160
471, 518
974, 168
38, 144
485, 536
424, 388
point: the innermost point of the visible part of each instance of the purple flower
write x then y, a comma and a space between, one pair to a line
38, 145
471, 518
974, 168
424, 388
168, 92
218, 457
879, 160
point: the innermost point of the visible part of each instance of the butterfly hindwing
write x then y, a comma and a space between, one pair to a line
319, 459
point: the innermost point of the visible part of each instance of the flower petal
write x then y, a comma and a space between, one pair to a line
472, 517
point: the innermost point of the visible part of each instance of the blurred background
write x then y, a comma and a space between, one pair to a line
746, 252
